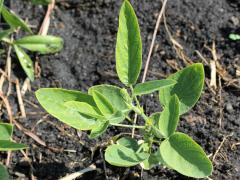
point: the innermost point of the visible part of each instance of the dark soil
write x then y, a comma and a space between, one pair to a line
89, 30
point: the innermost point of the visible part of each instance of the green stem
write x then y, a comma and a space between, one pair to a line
127, 126
129, 119
140, 148
139, 112
134, 97
137, 109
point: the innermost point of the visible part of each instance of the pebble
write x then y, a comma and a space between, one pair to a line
235, 20
229, 108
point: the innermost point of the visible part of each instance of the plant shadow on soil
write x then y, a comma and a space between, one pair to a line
89, 30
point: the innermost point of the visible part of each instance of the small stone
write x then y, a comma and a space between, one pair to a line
229, 108
235, 20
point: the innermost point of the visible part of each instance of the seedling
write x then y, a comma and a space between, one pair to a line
108, 105
6, 144
34, 43
234, 37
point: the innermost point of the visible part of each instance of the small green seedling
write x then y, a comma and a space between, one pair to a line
234, 37
35, 43
108, 105
6, 144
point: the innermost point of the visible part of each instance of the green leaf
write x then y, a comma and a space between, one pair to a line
53, 100
129, 46
153, 160
5, 33
1, 5
114, 95
3, 173
184, 155
129, 143
6, 131
6, 145
99, 129
84, 108
151, 86
13, 20
234, 37
41, 44
25, 62
102, 103
169, 117
154, 120
116, 118
41, 2
189, 86
122, 156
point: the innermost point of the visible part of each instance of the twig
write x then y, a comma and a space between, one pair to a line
26, 86
30, 164
104, 164
229, 80
46, 22
20, 100
220, 146
79, 173
8, 107
8, 67
153, 40
9, 154
220, 102
235, 144
150, 53
31, 103
5, 99
176, 45
9, 111
134, 123
201, 56
213, 81
30, 134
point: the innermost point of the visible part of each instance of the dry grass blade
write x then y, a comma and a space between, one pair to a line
213, 82
104, 164
176, 45
220, 146
153, 39
20, 100
79, 173
46, 22
235, 144
150, 52
26, 86
8, 107
220, 102
30, 134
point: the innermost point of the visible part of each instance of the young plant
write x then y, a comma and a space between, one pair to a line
234, 37
6, 144
108, 105
34, 43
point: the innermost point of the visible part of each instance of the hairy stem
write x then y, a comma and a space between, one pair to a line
128, 126
137, 109
139, 112
135, 116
